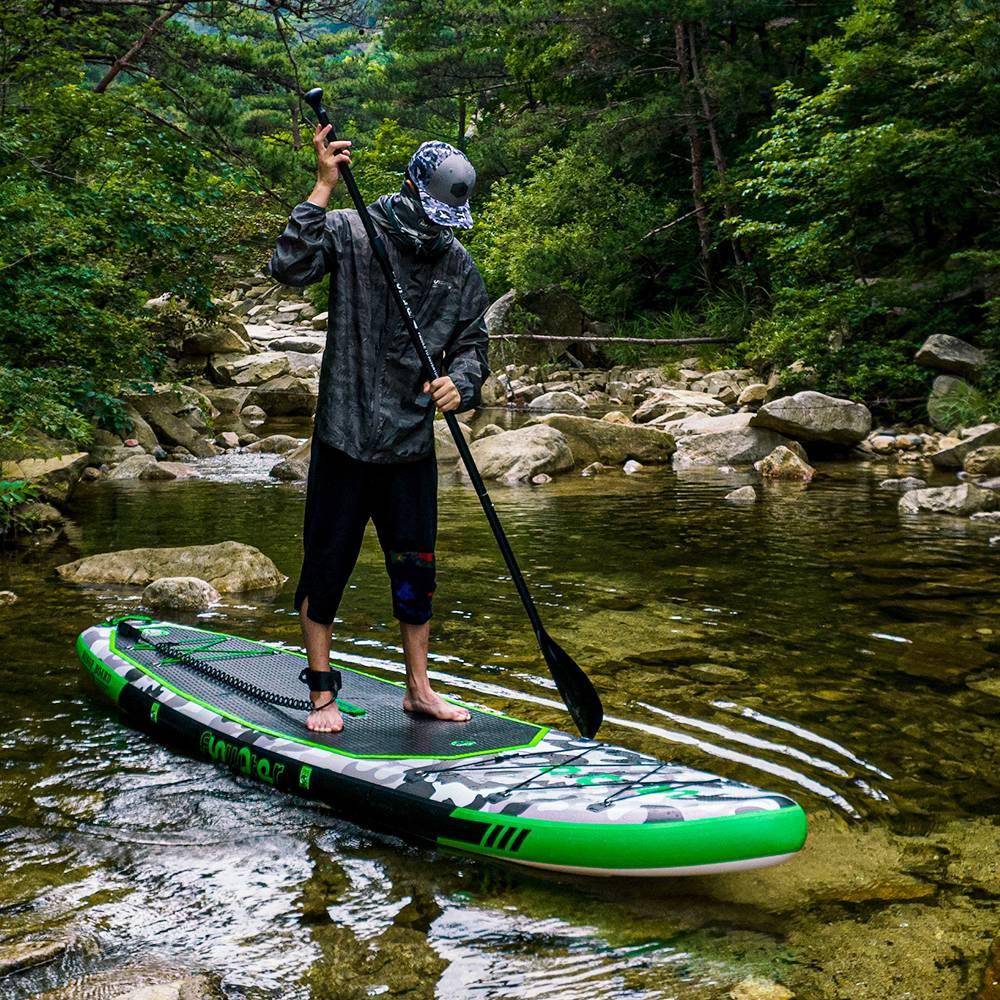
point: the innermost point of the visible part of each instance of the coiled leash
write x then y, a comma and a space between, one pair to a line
316, 680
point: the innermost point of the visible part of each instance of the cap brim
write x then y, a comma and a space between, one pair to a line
443, 214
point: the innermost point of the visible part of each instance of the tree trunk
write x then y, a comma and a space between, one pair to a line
697, 156
119, 64
296, 113
713, 136
461, 122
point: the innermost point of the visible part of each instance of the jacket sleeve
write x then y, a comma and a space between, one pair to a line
466, 358
307, 248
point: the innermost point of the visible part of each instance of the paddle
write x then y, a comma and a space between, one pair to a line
574, 685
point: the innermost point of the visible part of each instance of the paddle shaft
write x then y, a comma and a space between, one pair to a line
563, 677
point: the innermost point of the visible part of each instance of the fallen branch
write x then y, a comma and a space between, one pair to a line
610, 340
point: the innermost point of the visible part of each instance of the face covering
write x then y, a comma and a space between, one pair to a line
403, 217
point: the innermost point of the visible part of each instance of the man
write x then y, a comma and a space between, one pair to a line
373, 442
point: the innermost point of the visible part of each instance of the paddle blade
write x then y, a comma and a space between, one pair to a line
574, 685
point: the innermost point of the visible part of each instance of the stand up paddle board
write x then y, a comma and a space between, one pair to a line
494, 786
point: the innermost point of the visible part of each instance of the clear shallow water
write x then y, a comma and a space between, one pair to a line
814, 644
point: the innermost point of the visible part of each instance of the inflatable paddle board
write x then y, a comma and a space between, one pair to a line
495, 786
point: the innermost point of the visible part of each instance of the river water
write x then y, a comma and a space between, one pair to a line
815, 643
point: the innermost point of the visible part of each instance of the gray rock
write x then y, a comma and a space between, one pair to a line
517, 456
594, 469
7, 598
593, 440
950, 397
56, 476
169, 470
301, 345
541, 479
983, 461
252, 369
964, 499
133, 467
953, 457
904, 485
229, 337
559, 400
227, 566
289, 470
181, 593
951, 355
631, 467
989, 516
444, 444
253, 414
783, 463
319, 321
277, 444
228, 439
753, 395
497, 315
814, 416
141, 430
663, 401
745, 494
285, 396
728, 440
488, 431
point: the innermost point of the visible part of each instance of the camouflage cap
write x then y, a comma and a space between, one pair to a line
444, 178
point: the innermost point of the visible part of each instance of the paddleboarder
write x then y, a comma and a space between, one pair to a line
373, 443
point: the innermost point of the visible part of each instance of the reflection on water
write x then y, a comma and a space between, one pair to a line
813, 644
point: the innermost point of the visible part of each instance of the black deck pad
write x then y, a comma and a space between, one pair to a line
385, 730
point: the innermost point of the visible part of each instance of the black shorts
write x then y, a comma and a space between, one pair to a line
342, 495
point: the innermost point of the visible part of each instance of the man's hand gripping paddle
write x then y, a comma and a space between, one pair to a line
574, 685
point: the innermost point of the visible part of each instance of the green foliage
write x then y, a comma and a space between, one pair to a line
15, 494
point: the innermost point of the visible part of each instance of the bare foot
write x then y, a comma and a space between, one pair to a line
433, 705
327, 719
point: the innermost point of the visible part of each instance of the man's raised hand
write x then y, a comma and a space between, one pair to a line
329, 157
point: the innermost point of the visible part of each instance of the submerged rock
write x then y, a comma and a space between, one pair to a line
541, 479
965, 499
904, 485
814, 416
594, 469
631, 467
756, 988
7, 598
745, 494
183, 593
227, 566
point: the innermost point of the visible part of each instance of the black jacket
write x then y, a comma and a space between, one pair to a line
371, 403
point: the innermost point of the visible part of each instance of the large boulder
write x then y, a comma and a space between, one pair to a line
814, 416
286, 396
560, 399
132, 467
951, 356
728, 440
251, 369
953, 456
964, 499
172, 430
950, 399
56, 476
229, 337
517, 456
444, 444
558, 312
141, 430
228, 566
661, 402
605, 441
